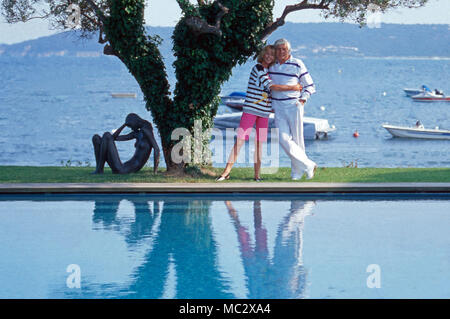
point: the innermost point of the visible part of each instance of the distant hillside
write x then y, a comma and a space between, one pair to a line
308, 39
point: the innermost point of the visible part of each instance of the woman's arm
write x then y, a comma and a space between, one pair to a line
117, 132
259, 72
126, 137
151, 138
278, 87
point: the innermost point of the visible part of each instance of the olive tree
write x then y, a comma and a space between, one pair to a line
209, 40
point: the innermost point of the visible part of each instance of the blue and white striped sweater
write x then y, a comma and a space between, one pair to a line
258, 100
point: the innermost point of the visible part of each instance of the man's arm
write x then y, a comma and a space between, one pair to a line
265, 80
279, 87
307, 83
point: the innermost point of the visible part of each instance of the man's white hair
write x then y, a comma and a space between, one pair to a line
281, 42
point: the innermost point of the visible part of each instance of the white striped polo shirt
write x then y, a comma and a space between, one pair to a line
291, 72
258, 100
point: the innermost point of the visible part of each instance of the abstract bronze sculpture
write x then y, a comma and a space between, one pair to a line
106, 151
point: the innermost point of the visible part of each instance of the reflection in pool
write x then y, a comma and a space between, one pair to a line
160, 246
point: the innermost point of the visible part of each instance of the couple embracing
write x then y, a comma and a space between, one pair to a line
281, 83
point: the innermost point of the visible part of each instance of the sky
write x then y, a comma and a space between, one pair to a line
167, 13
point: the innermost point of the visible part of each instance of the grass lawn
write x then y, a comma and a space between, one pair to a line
31, 174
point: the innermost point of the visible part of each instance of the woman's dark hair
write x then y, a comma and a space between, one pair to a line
135, 119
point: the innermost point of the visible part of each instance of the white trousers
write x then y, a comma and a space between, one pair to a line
289, 121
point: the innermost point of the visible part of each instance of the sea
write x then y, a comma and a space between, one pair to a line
50, 107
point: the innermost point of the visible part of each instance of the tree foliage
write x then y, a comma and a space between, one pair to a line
209, 40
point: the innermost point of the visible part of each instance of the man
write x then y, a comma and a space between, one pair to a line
289, 108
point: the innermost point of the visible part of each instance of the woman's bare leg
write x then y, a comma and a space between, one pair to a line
233, 156
258, 157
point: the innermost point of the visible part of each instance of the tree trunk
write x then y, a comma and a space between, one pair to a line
170, 164
204, 62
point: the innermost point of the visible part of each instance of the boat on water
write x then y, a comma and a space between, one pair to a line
313, 128
419, 132
235, 100
412, 92
124, 95
436, 96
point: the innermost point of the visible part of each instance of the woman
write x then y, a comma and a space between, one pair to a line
257, 109
106, 151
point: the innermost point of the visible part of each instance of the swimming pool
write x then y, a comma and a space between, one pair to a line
224, 246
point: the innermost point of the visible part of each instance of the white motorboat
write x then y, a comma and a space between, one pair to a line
412, 92
313, 128
235, 100
417, 132
436, 96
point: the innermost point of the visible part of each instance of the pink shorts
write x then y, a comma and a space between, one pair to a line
246, 126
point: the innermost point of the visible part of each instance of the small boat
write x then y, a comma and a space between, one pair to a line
417, 132
123, 95
411, 92
436, 96
235, 100
313, 128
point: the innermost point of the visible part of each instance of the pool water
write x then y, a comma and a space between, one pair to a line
224, 246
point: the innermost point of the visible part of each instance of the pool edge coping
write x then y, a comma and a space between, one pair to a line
214, 188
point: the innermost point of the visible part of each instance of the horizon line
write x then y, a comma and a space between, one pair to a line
287, 22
